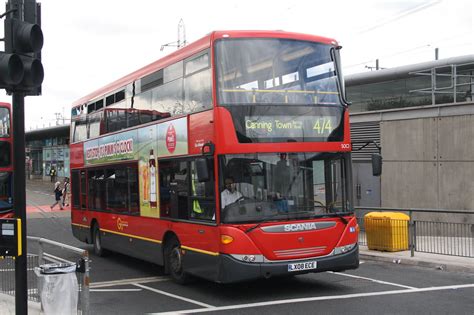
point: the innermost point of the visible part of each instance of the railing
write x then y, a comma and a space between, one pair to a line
459, 79
431, 234
7, 271
7, 276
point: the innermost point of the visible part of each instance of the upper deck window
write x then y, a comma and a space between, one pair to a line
275, 71
173, 72
4, 122
152, 80
196, 64
79, 130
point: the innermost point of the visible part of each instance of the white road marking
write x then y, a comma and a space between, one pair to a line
373, 280
115, 290
112, 283
175, 296
320, 298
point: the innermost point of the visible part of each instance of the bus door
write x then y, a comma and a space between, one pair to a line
79, 197
192, 203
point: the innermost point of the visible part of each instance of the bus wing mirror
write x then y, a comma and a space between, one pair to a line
202, 169
208, 148
376, 164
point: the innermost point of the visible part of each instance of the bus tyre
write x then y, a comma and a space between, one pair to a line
174, 261
97, 240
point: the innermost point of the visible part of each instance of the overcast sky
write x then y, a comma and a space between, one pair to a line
90, 43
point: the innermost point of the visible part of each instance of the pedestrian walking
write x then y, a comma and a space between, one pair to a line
65, 192
52, 173
57, 196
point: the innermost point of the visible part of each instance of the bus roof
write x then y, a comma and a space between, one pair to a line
190, 50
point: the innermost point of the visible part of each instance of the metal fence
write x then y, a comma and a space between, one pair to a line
7, 276
455, 81
430, 234
7, 271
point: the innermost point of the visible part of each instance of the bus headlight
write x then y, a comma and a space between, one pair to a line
343, 249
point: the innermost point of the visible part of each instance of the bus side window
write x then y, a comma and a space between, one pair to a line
75, 189
83, 190
134, 202
173, 188
96, 189
201, 198
182, 196
165, 191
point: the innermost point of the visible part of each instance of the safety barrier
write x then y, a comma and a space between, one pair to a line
7, 276
80, 257
428, 231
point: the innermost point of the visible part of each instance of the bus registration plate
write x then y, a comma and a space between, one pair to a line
302, 266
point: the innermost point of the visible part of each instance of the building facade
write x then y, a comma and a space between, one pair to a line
422, 118
46, 149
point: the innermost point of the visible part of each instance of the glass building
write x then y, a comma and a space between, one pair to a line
442, 81
47, 148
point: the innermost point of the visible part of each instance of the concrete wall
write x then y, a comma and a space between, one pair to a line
428, 154
428, 162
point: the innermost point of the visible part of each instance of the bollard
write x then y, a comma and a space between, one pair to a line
411, 232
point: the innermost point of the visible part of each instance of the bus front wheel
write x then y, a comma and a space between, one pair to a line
174, 261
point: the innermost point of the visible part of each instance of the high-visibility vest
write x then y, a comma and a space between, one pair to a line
196, 206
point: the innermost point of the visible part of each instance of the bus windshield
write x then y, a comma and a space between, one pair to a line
282, 186
275, 71
4, 122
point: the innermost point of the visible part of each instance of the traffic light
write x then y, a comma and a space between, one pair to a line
11, 70
23, 43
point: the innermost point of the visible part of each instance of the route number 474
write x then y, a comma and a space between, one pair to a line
322, 125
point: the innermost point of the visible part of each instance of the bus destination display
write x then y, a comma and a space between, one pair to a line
290, 126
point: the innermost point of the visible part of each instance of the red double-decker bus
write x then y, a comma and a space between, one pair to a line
228, 159
6, 162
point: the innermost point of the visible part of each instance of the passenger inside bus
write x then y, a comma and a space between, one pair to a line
282, 176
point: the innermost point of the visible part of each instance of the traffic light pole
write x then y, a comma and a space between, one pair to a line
19, 200
21, 74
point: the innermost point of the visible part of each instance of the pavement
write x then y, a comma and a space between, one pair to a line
426, 260
7, 306
40, 197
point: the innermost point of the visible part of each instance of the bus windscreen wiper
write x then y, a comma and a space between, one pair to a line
264, 219
340, 215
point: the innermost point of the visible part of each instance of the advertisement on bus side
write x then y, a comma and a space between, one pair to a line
145, 145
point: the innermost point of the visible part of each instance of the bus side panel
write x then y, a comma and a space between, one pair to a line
201, 265
201, 130
201, 248
76, 155
81, 232
136, 236
133, 247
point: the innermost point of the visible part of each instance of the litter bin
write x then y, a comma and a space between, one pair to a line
387, 231
58, 288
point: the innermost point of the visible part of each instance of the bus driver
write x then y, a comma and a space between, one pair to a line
230, 194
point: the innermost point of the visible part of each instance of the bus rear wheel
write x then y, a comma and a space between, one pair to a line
174, 261
97, 240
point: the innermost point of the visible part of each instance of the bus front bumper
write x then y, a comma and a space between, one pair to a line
233, 270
